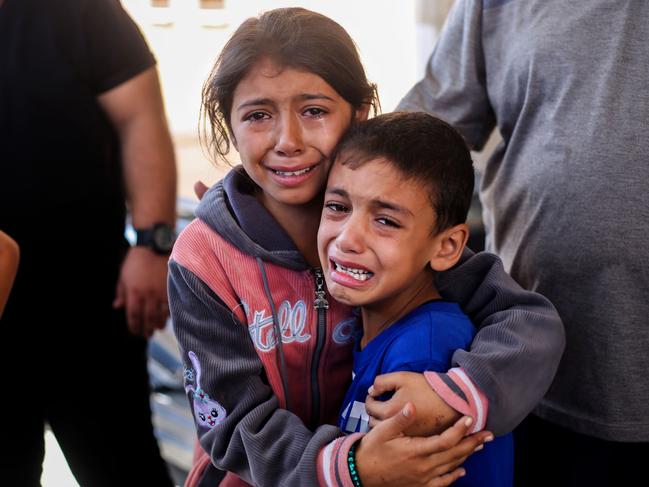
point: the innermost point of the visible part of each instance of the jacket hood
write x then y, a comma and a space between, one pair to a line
231, 209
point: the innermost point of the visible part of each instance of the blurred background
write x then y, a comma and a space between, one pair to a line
394, 38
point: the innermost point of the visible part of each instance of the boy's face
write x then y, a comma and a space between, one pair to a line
375, 236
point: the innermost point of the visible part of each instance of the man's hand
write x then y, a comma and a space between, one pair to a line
433, 414
142, 289
386, 457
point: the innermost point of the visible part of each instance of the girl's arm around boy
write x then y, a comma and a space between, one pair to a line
512, 360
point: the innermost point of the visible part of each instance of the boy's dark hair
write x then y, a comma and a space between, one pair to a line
290, 37
422, 148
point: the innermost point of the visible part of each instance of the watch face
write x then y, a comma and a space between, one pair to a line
163, 238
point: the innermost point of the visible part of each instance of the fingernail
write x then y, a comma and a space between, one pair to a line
468, 421
406, 411
462, 473
478, 448
488, 439
370, 390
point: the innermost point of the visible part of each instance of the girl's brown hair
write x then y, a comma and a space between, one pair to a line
290, 37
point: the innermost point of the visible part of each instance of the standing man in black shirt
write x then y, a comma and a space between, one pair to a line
83, 135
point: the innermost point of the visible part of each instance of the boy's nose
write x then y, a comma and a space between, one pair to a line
288, 137
351, 238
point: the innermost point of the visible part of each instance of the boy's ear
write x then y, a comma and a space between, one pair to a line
361, 113
448, 247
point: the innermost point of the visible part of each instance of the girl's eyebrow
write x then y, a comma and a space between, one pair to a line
268, 101
314, 96
255, 102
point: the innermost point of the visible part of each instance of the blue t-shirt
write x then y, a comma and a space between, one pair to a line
424, 339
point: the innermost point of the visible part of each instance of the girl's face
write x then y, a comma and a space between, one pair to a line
285, 123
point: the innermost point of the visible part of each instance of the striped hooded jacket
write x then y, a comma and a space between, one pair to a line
265, 407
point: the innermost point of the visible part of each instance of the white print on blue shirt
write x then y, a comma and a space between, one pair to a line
358, 421
292, 324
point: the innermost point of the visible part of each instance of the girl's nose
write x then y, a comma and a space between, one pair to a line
288, 137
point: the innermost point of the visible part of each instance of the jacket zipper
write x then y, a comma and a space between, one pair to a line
321, 305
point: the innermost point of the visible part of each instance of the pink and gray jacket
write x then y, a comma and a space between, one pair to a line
267, 352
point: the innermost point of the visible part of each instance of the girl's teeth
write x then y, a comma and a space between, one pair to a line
292, 173
357, 274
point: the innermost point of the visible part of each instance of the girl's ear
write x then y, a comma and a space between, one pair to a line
361, 113
448, 247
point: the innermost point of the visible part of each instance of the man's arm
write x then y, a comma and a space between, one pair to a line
136, 110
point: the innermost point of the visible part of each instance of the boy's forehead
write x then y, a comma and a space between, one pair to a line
377, 180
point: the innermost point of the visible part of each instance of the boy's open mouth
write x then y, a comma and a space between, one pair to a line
358, 274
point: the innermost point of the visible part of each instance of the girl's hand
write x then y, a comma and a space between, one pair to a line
386, 457
433, 414
200, 188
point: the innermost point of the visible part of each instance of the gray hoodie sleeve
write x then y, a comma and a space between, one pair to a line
253, 437
516, 351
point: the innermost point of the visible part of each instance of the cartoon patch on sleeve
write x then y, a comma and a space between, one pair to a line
208, 412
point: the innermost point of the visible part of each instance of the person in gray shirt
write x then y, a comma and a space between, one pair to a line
566, 205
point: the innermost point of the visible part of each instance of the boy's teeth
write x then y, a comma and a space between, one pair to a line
358, 274
292, 173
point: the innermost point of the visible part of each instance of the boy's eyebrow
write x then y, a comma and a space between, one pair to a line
338, 191
391, 206
268, 101
378, 203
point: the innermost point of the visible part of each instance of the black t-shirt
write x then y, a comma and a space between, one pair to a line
60, 168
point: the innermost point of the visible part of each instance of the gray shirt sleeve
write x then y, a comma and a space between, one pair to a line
516, 351
453, 87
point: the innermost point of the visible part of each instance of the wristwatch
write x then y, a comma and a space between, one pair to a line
160, 237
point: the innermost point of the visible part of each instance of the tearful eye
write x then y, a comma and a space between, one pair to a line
215, 413
387, 222
336, 207
314, 111
256, 116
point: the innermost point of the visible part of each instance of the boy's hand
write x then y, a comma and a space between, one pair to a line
386, 457
433, 414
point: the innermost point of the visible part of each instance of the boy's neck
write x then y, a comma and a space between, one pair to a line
378, 317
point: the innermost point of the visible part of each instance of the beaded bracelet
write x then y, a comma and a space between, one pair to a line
351, 463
